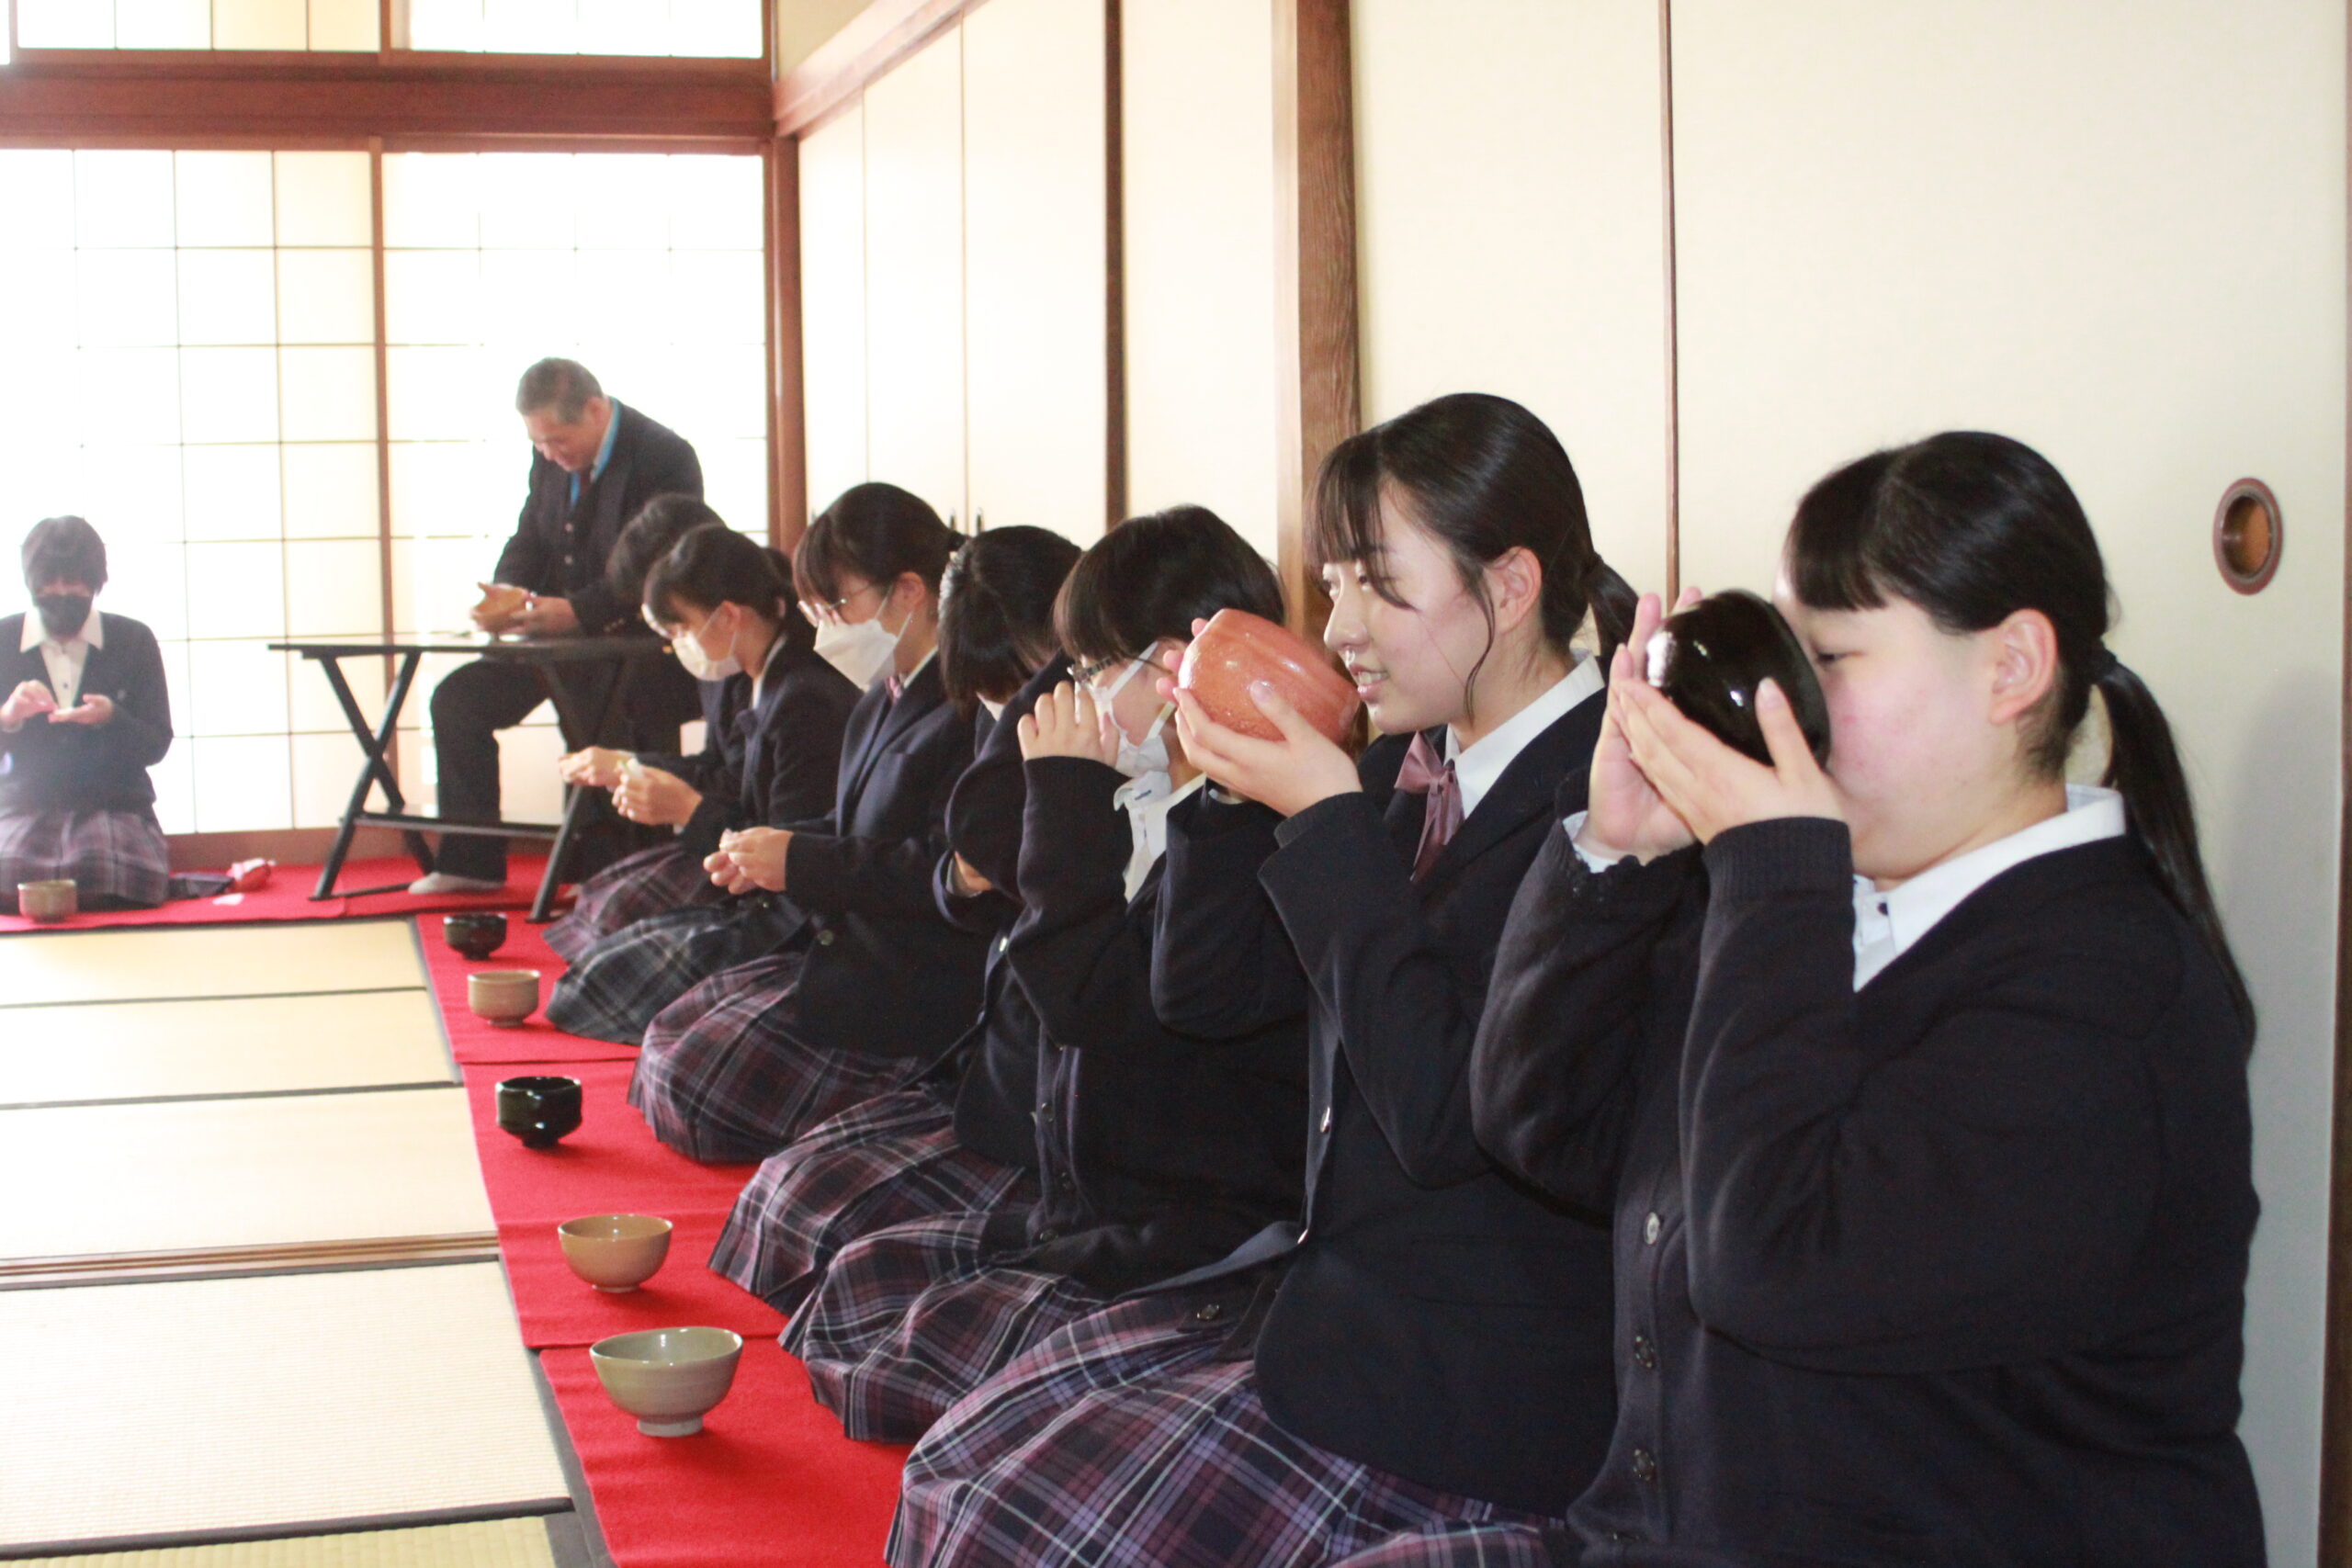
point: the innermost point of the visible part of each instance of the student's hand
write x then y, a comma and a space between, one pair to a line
1298, 771
1065, 723
966, 881
93, 710
1712, 787
500, 600
752, 857
545, 616
654, 797
30, 697
1625, 813
596, 767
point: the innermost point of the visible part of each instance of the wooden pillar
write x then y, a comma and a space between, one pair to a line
788, 408
1317, 402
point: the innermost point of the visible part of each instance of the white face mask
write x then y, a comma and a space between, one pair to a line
701, 665
1148, 755
860, 650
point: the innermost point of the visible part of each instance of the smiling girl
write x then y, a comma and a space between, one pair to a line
1917, 1085
1401, 1354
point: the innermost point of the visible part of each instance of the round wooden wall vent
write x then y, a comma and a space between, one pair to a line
2248, 536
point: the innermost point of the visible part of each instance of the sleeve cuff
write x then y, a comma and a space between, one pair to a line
1786, 854
1331, 808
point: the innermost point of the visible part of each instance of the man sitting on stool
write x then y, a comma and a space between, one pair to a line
593, 465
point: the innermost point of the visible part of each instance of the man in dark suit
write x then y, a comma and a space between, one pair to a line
595, 464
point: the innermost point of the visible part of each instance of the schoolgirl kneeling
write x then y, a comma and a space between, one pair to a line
1428, 1341
1156, 1151
774, 714
1917, 1085
85, 715
960, 1138
876, 985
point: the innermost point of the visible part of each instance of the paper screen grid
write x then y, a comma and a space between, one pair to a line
193, 369
702, 27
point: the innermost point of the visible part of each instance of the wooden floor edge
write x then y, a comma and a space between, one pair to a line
101, 1268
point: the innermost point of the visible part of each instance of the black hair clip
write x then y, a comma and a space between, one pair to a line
1710, 658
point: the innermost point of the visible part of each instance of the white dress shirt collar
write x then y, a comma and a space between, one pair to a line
1476, 767
94, 632
1148, 801
1887, 924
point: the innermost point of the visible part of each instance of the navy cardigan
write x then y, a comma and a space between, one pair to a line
1947, 1269
78, 767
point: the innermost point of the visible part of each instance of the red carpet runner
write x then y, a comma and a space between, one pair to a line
288, 898
770, 1480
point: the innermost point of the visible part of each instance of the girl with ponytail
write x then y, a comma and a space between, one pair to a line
1917, 1083
1426, 1344
773, 715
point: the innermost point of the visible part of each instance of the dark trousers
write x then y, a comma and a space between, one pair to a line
476, 701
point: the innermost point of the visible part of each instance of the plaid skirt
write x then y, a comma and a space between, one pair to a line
891, 1159
1123, 1440
613, 990
647, 882
1461, 1546
117, 859
909, 1320
722, 1077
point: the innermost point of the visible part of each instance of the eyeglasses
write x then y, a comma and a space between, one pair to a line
1087, 676
838, 605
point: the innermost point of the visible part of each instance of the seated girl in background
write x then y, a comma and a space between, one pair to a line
774, 715
1430, 1342
1917, 1086
961, 1138
663, 875
84, 716
1158, 1151
876, 983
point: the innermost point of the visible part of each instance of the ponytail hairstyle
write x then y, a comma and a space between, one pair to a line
1152, 577
996, 611
877, 533
1973, 528
1483, 477
714, 565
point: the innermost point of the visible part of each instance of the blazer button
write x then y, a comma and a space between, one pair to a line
1004, 942
1327, 1119
1645, 1353
1645, 1466
1209, 1313
825, 938
1650, 1227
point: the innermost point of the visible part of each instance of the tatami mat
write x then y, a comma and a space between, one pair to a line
141, 963
247, 1045
493, 1543
111, 1181
170, 1409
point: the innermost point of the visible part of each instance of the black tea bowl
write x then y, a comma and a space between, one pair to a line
539, 1111
475, 935
1710, 658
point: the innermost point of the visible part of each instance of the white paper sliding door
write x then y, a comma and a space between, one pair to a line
914, 275
832, 303
2114, 229
1199, 251
1036, 242
1510, 232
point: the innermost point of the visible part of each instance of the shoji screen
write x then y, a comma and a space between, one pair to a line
1037, 246
832, 303
914, 275
197, 376
1510, 232
2116, 230
583, 27
1199, 216
198, 24
645, 268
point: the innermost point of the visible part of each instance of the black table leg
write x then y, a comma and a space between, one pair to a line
575, 799
375, 770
